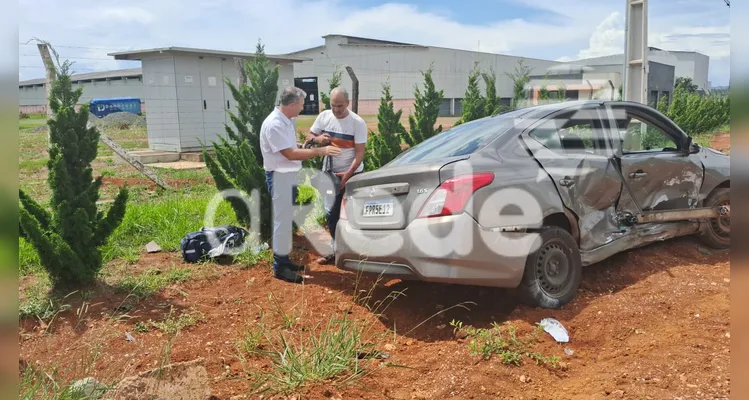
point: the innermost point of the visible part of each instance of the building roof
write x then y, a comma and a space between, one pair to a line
117, 73
363, 40
138, 54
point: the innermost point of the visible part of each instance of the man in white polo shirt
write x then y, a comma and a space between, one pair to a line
342, 128
282, 160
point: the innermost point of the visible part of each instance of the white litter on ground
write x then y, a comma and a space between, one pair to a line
555, 329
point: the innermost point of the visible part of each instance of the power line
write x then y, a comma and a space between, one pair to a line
728, 3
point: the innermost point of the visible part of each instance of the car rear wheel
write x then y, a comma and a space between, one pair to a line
553, 271
718, 231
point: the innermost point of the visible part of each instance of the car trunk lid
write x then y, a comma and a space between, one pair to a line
391, 197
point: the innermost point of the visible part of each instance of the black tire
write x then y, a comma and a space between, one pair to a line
717, 234
553, 271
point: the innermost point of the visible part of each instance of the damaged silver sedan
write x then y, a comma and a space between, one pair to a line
527, 198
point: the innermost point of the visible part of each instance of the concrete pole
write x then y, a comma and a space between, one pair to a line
49, 66
635, 78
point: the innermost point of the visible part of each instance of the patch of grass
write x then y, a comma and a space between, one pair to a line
32, 122
171, 325
165, 220
330, 353
503, 341
152, 281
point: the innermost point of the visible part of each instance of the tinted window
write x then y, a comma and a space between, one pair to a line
461, 140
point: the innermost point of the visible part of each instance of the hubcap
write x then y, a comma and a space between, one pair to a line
553, 268
722, 225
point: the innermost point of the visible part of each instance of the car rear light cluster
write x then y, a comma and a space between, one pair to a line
343, 214
452, 195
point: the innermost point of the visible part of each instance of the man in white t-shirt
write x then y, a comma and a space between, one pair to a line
344, 129
282, 160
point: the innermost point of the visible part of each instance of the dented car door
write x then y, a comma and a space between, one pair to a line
577, 153
656, 163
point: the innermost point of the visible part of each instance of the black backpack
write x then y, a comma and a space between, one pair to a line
227, 239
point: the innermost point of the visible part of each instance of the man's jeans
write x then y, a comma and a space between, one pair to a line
283, 190
333, 214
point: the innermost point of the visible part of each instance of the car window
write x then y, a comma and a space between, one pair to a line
566, 134
461, 140
639, 136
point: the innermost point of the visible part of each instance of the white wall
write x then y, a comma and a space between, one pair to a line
688, 64
374, 64
188, 99
132, 87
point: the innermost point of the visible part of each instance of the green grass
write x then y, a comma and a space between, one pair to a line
326, 353
152, 281
502, 341
32, 122
165, 220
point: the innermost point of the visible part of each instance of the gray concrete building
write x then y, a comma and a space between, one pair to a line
587, 82
376, 61
689, 64
32, 96
186, 95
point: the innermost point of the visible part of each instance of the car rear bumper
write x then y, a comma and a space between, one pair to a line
451, 249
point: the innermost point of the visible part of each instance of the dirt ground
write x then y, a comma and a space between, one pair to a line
650, 323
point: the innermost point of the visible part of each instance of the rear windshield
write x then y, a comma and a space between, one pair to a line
461, 140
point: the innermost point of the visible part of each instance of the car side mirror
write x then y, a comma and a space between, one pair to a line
694, 148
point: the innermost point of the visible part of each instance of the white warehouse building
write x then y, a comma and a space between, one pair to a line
375, 61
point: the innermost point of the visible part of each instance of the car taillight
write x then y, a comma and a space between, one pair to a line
343, 209
451, 196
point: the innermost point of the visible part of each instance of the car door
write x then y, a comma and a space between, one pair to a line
655, 161
577, 154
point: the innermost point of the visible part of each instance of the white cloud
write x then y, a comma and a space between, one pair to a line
579, 28
113, 15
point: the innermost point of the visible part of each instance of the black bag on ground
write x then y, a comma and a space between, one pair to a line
197, 246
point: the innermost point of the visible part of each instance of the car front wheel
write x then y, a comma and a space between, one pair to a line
718, 231
552, 271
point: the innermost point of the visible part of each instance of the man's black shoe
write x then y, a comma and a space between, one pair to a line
290, 265
288, 275
326, 260
294, 267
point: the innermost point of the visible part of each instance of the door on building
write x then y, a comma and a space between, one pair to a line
312, 102
214, 106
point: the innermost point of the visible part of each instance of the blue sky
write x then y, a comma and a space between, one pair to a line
85, 31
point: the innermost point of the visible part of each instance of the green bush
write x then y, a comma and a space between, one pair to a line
695, 113
385, 145
68, 239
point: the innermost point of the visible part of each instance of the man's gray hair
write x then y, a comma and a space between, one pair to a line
341, 90
291, 95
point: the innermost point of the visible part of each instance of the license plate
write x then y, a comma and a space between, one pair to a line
378, 208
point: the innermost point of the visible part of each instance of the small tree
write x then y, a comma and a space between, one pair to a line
68, 238
562, 92
333, 83
239, 165
383, 146
426, 111
520, 78
491, 105
686, 84
473, 104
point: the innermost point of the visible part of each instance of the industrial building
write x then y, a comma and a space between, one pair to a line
186, 95
376, 61
32, 96
185, 98
585, 82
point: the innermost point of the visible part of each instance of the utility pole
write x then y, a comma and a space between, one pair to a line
354, 90
49, 66
635, 77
